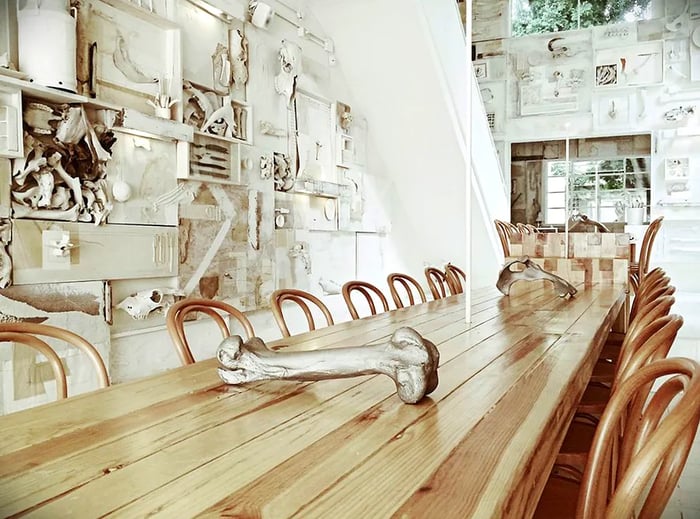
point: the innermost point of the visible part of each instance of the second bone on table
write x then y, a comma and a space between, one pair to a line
409, 359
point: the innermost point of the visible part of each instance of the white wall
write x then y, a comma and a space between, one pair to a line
387, 53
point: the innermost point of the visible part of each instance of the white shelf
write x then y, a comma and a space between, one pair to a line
30, 89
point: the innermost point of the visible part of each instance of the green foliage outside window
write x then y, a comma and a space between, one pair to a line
542, 16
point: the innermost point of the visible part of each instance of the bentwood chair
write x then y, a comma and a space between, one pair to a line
602, 384
369, 291
456, 279
639, 449
652, 343
639, 269
437, 282
524, 228
178, 313
409, 285
648, 290
302, 299
26, 334
505, 230
649, 294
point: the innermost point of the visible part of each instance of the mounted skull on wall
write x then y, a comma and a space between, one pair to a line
141, 304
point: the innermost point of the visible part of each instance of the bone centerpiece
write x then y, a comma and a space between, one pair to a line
531, 272
409, 359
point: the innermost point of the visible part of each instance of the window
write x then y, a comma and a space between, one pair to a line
600, 189
542, 16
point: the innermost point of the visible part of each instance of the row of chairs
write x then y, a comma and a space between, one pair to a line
628, 442
405, 290
637, 269
34, 335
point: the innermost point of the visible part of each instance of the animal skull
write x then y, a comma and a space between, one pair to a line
142, 303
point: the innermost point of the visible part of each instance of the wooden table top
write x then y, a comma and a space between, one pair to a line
181, 443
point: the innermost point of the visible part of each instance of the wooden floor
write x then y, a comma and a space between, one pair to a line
182, 444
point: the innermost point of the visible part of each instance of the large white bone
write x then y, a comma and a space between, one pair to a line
73, 183
409, 359
531, 272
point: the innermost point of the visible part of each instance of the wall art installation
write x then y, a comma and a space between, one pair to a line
5, 188
551, 73
677, 177
45, 251
616, 35
139, 176
62, 174
613, 110
213, 158
145, 186
10, 123
490, 19
676, 60
493, 94
217, 258
641, 64
121, 57
205, 41
694, 47
315, 125
25, 378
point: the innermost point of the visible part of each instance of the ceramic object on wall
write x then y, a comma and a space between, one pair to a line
47, 44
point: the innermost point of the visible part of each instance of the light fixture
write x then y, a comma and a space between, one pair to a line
261, 14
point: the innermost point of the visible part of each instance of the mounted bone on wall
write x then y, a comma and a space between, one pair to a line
290, 68
62, 175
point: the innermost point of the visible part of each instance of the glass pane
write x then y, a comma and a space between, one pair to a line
584, 167
583, 202
637, 180
610, 198
556, 184
556, 216
557, 169
637, 164
611, 165
608, 182
610, 214
556, 200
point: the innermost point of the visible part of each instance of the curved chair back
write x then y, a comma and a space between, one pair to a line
456, 279
302, 299
505, 230
642, 442
647, 245
639, 269
59, 373
409, 284
653, 343
525, 228
660, 290
369, 291
177, 314
25, 333
437, 282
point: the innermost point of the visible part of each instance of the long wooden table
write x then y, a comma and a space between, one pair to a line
182, 444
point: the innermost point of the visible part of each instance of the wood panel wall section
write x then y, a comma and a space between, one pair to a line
583, 258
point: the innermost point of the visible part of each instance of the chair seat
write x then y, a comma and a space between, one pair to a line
577, 443
594, 399
558, 500
610, 353
604, 371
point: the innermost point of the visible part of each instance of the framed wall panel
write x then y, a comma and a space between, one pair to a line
45, 251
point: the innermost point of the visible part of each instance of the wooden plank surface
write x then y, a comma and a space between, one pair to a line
182, 444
